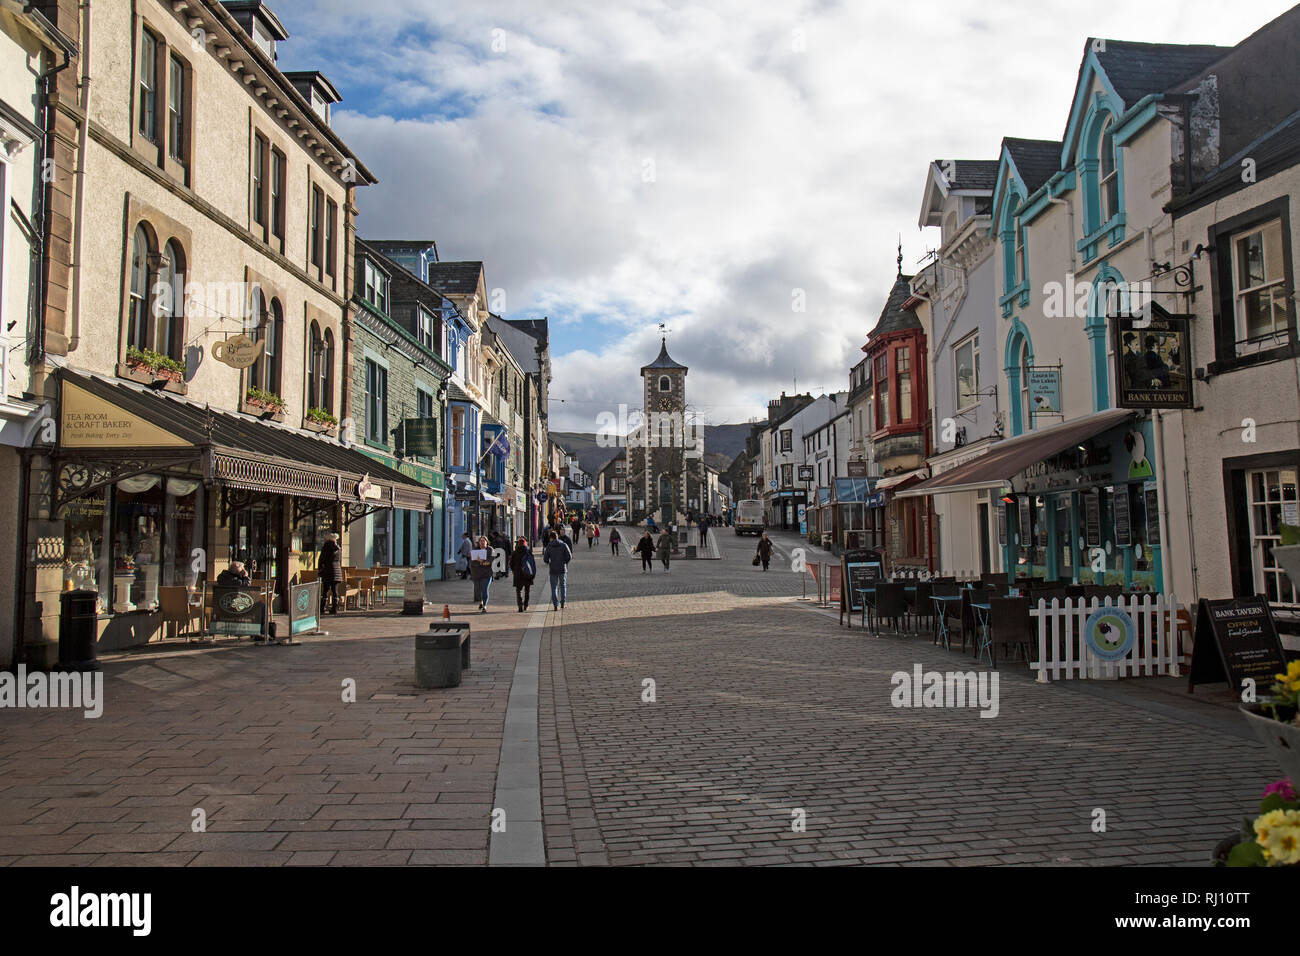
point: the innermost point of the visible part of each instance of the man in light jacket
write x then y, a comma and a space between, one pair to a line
557, 556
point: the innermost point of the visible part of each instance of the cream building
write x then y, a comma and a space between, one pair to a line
199, 277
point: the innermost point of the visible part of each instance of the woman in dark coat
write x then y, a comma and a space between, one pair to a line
330, 572
764, 550
646, 548
524, 568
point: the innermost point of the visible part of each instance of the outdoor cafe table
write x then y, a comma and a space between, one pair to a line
941, 615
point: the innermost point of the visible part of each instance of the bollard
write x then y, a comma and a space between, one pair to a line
441, 654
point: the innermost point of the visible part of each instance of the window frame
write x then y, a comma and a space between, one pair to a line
973, 342
376, 398
1274, 286
260, 183
331, 238
278, 188
147, 92
1220, 236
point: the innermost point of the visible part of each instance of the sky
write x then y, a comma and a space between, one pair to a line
739, 172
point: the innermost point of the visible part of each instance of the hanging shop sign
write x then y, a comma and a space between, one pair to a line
421, 436
806, 472
367, 489
1152, 361
238, 351
1044, 391
857, 469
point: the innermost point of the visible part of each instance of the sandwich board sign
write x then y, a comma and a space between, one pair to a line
1236, 639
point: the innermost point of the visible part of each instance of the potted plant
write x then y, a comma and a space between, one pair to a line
1272, 838
1273, 719
260, 398
154, 364
319, 420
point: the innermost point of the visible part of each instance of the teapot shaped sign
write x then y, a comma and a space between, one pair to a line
238, 351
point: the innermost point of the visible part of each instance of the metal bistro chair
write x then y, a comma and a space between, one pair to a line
1009, 623
889, 603
921, 604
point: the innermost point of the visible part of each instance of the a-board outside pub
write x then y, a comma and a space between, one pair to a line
144, 497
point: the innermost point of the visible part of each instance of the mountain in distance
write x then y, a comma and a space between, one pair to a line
721, 445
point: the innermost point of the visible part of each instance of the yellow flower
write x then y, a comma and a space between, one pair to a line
1284, 846
1265, 824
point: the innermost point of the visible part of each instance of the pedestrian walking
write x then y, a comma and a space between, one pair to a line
665, 549
704, 529
764, 552
329, 571
646, 548
481, 572
591, 535
614, 539
525, 572
462, 555
557, 556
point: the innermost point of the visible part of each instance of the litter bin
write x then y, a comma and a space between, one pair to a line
690, 551
441, 654
78, 630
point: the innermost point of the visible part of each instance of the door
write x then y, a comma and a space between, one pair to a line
255, 540
985, 548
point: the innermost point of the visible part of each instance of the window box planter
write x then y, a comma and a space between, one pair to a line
320, 427
136, 371
263, 406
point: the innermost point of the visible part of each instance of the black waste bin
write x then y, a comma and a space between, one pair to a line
78, 630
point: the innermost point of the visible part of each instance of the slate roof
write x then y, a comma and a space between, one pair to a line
664, 360
1037, 160
455, 393
972, 173
537, 328
455, 278
893, 316
521, 345
1138, 69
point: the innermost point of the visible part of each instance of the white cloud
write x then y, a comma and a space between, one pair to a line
775, 168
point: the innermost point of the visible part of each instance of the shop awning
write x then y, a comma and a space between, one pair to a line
997, 466
898, 481
127, 427
853, 490
490, 499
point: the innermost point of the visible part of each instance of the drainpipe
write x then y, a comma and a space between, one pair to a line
80, 178
1162, 497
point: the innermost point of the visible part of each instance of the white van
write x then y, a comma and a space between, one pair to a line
618, 517
749, 517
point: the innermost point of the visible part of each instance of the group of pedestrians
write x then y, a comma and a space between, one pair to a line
648, 548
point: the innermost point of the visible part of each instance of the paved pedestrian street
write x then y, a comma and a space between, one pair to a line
767, 737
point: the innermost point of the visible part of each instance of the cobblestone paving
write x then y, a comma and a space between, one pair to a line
765, 707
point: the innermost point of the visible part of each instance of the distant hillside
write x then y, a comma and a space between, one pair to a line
721, 445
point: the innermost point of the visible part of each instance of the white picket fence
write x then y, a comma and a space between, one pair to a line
1063, 653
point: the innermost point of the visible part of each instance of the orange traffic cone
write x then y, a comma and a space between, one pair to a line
446, 612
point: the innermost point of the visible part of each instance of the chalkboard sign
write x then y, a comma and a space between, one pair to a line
1123, 520
1236, 639
859, 574
1153, 514
1092, 519
1001, 515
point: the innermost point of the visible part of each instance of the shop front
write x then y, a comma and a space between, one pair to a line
854, 511
144, 497
1077, 502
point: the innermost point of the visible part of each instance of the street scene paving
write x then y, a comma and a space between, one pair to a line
767, 737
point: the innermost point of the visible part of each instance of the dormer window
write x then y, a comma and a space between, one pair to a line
375, 289
262, 37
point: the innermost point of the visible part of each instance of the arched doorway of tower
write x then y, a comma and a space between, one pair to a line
666, 509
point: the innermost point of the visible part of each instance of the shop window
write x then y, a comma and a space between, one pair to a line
183, 522
311, 531
87, 552
1272, 499
137, 543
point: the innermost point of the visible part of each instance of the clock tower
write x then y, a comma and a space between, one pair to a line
661, 473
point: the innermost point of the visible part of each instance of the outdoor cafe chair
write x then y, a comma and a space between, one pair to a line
889, 603
989, 577
920, 603
178, 614
1009, 623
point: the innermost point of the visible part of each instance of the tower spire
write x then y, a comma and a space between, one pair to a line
900, 255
